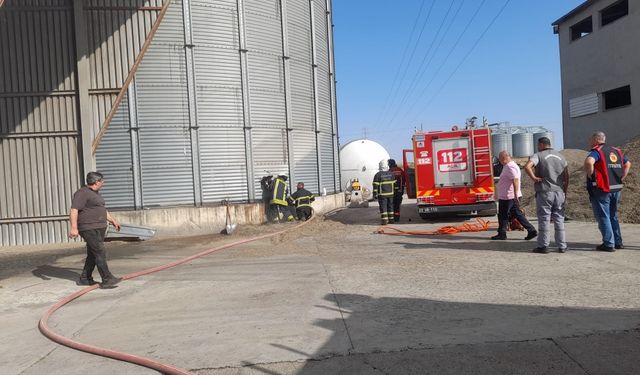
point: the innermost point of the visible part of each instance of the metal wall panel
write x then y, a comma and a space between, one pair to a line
304, 151
269, 153
584, 105
302, 106
115, 161
327, 179
165, 159
224, 164
39, 166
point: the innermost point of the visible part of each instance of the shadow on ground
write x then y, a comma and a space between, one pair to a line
419, 336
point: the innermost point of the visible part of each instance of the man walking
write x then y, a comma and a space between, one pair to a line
383, 189
606, 168
402, 181
509, 198
551, 179
89, 219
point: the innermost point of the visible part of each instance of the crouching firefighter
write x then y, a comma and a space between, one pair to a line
302, 199
383, 189
279, 207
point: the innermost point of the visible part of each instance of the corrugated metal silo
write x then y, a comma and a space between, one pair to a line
522, 144
183, 103
501, 141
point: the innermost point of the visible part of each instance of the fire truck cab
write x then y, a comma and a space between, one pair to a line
453, 172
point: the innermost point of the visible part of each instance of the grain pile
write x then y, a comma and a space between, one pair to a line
578, 206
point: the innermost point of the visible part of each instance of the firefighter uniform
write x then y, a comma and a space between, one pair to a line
383, 189
279, 204
302, 199
402, 181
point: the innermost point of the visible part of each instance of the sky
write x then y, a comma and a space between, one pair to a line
431, 64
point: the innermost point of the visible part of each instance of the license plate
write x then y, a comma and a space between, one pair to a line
426, 210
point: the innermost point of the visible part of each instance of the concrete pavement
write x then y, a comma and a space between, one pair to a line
338, 299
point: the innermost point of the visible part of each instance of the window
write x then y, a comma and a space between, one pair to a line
615, 98
582, 28
614, 12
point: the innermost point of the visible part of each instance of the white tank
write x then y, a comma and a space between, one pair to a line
360, 159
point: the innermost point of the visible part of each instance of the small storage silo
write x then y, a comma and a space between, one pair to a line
522, 144
501, 141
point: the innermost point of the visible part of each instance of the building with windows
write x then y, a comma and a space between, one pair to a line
181, 104
600, 67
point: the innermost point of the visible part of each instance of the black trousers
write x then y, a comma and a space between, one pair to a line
397, 202
386, 208
273, 215
303, 213
511, 208
96, 254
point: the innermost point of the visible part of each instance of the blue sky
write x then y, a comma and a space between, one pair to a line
512, 74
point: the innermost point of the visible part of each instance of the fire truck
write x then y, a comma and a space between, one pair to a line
453, 172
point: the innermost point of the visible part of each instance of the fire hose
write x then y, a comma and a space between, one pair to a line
126, 357
479, 226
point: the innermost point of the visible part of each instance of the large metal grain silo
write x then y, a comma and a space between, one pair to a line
229, 91
177, 102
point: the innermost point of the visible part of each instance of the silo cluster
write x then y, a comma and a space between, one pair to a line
520, 142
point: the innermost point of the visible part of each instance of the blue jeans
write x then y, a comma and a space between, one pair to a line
605, 210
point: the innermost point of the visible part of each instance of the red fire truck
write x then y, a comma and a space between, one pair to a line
453, 172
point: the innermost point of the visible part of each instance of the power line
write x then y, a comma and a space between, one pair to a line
464, 59
413, 51
423, 67
451, 50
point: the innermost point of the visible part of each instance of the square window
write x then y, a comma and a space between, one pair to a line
614, 12
582, 28
616, 98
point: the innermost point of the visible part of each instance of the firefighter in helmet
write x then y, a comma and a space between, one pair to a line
279, 207
383, 189
402, 181
301, 200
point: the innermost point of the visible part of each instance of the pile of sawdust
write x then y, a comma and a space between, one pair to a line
578, 206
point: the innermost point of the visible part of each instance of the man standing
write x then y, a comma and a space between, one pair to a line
509, 198
606, 168
383, 189
551, 177
402, 181
89, 219
302, 199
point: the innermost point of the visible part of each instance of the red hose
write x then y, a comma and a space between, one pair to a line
142, 361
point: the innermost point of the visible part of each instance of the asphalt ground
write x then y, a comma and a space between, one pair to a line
335, 298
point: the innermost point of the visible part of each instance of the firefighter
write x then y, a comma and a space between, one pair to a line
301, 200
266, 184
279, 205
402, 181
606, 168
383, 189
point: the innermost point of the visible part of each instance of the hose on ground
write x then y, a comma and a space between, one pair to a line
479, 226
43, 325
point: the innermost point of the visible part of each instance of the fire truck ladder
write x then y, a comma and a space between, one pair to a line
481, 157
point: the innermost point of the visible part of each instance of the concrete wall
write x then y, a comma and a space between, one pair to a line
607, 58
184, 221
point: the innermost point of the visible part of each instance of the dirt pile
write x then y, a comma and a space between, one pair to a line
578, 206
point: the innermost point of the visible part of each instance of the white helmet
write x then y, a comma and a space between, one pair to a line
384, 165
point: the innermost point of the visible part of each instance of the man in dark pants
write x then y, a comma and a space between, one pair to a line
383, 188
509, 198
301, 200
89, 219
402, 181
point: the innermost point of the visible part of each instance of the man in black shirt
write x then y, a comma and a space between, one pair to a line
89, 219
